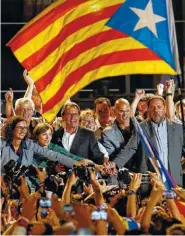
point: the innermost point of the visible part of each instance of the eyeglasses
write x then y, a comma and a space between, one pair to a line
22, 128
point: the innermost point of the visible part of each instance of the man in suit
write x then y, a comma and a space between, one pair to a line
77, 140
117, 137
166, 136
118, 142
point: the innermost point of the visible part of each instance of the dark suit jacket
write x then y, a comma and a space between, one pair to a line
175, 147
119, 151
84, 144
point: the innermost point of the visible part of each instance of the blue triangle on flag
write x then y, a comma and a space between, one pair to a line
147, 22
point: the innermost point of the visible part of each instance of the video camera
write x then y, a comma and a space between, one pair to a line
125, 176
13, 171
83, 173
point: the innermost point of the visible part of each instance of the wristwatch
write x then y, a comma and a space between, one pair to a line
131, 192
169, 94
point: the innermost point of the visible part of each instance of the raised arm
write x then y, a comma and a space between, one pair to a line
139, 94
99, 199
131, 196
66, 196
155, 197
160, 89
9, 103
30, 83
170, 108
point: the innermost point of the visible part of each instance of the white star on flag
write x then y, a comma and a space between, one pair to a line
147, 18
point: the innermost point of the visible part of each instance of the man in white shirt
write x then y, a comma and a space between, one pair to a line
77, 140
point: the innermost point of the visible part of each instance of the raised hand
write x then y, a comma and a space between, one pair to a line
9, 96
170, 86
160, 88
72, 178
42, 174
135, 182
139, 93
27, 78
87, 189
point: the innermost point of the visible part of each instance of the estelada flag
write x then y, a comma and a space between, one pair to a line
181, 206
75, 42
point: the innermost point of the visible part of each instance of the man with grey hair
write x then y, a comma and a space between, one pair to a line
24, 107
75, 139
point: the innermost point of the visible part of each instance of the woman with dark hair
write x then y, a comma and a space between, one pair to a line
15, 146
43, 133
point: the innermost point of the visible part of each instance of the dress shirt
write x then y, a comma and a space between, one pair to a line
67, 139
161, 136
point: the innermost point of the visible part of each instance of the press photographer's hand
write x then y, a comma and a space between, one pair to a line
135, 182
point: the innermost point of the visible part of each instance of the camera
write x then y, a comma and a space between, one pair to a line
45, 203
28, 171
145, 179
84, 231
124, 176
9, 168
82, 173
51, 167
99, 215
16, 178
68, 210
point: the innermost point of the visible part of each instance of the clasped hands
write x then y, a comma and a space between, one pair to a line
108, 168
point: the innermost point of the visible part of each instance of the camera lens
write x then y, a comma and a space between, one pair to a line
31, 171
123, 176
8, 167
82, 173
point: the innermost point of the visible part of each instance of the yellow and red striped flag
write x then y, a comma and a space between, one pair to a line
181, 206
71, 44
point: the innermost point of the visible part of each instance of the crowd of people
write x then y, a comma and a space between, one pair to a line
87, 172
